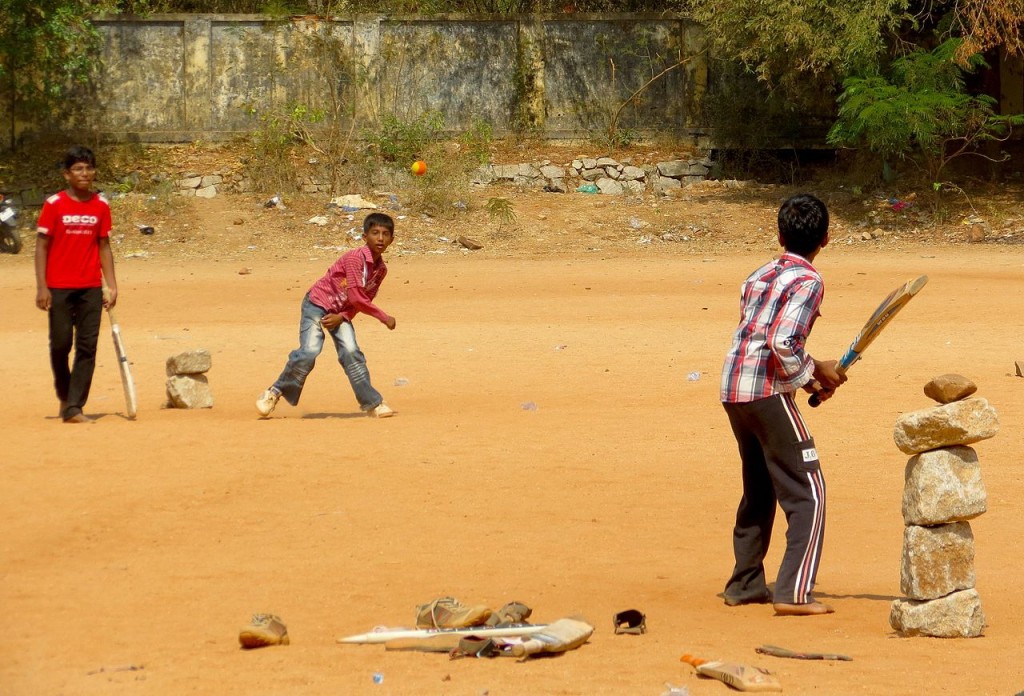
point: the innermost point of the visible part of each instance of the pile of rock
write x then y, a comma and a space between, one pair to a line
607, 175
193, 184
942, 491
187, 386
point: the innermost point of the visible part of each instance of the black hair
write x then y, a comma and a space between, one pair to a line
379, 219
803, 223
79, 153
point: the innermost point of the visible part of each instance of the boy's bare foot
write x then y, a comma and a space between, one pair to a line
809, 609
78, 418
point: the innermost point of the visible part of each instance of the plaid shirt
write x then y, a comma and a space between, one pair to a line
350, 285
779, 304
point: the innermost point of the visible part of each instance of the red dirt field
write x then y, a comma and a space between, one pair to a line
149, 544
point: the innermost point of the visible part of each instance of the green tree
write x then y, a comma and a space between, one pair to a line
920, 111
800, 46
46, 47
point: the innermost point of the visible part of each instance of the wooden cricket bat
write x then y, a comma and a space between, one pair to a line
889, 308
558, 636
395, 634
738, 676
130, 398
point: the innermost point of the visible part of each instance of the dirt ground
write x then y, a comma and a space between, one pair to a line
551, 446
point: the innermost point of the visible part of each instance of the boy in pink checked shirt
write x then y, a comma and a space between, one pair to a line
348, 288
763, 370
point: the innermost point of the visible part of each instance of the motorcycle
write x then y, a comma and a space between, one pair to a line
10, 238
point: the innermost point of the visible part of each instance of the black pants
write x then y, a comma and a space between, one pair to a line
780, 464
75, 317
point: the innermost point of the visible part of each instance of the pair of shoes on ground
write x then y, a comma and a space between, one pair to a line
263, 631
268, 401
448, 612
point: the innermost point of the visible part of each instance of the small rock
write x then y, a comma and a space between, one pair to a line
244, 271
976, 234
949, 388
239, 221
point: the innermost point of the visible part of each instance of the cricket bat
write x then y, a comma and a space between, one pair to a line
428, 634
130, 398
558, 636
890, 307
738, 676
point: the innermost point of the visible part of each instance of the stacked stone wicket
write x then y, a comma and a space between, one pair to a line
187, 385
943, 490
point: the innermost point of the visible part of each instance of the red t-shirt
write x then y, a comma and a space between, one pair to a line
350, 285
75, 229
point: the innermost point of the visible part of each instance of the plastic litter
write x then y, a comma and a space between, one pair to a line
588, 188
693, 376
145, 229
401, 382
378, 678
529, 406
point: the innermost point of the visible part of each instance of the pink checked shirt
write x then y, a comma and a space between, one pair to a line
780, 301
350, 285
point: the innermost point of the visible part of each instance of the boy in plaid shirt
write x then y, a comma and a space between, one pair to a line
765, 367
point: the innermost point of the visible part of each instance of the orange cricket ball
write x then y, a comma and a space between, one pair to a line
419, 168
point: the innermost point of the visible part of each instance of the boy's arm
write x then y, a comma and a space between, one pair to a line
43, 297
107, 265
789, 331
356, 293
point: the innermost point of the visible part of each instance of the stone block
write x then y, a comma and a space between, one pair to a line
674, 168
192, 362
959, 423
189, 391
949, 388
958, 615
937, 561
943, 485
610, 187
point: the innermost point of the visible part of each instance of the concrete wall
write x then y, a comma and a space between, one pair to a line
173, 78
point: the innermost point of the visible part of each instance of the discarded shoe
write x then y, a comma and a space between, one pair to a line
630, 621
447, 612
264, 630
511, 613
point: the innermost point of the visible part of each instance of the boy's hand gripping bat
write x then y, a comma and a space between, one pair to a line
890, 306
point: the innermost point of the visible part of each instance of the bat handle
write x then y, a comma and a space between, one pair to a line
813, 401
528, 647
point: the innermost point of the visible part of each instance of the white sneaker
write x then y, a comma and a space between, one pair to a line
382, 410
266, 403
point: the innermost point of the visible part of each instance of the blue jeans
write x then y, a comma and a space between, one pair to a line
311, 343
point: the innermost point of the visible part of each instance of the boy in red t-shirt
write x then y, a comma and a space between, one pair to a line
72, 250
